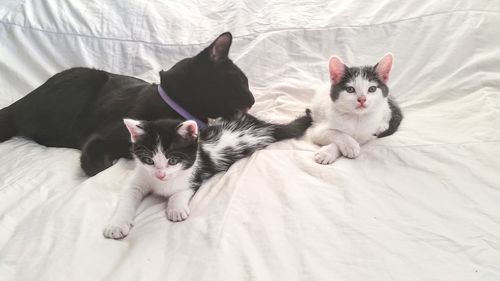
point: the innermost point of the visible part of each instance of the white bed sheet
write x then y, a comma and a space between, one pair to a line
420, 205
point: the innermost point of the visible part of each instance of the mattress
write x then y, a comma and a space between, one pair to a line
422, 204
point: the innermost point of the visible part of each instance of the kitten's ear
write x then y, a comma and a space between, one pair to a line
188, 129
135, 129
219, 49
383, 67
336, 67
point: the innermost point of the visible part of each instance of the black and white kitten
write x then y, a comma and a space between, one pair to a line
172, 161
356, 109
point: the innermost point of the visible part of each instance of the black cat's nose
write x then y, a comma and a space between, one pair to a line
251, 99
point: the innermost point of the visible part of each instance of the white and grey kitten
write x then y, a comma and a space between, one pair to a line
356, 110
172, 161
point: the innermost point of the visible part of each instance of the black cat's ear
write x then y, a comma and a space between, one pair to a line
188, 129
134, 128
219, 49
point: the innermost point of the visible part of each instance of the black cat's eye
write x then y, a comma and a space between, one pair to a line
372, 89
173, 161
350, 89
147, 161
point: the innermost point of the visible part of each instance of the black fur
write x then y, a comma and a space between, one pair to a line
191, 150
83, 108
7, 129
165, 131
241, 124
294, 129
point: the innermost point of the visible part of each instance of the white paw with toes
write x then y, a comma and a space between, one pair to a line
326, 155
117, 230
177, 213
349, 148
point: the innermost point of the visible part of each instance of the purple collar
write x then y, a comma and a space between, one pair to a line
179, 109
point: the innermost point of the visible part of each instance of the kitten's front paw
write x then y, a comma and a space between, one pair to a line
326, 155
349, 148
177, 213
117, 230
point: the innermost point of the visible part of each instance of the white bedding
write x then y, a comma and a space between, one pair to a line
423, 204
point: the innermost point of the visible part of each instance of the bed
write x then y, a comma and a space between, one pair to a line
423, 204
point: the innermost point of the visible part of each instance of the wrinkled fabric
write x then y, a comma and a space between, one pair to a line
422, 204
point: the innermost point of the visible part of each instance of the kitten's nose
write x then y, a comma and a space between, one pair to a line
160, 175
361, 100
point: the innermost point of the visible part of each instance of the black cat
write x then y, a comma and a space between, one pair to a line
84, 108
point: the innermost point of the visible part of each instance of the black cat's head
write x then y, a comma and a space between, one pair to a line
209, 85
163, 147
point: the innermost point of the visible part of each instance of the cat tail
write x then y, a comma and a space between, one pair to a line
294, 129
396, 118
7, 128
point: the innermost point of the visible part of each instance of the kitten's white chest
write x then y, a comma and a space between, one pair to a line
179, 182
361, 127
174, 184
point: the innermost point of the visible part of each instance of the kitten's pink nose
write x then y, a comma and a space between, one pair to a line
160, 174
361, 100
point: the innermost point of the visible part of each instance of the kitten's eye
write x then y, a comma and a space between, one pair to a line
372, 89
173, 161
147, 161
350, 89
